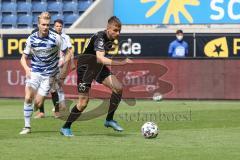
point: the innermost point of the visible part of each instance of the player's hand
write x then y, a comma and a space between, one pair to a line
28, 73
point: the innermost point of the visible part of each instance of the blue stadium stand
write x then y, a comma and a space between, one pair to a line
24, 13
70, 6
84, 4
39, 6
9, 20
56, 16
24, 7
54, 7
69, 19
24, 21
8, 7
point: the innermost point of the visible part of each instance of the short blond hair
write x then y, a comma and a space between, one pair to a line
44, 15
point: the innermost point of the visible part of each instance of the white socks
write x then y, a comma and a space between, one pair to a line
28, 110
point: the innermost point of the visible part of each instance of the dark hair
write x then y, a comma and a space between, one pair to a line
115, 20
58, 21
179, 31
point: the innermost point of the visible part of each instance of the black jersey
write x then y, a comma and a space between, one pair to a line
99, 42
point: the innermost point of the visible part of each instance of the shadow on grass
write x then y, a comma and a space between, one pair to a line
114, 134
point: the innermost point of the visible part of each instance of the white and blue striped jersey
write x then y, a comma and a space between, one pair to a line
45, 52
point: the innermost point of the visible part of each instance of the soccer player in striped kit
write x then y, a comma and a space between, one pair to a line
44, 47
58, 97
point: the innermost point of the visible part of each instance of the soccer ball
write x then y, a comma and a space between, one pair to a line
149, 130
157, 96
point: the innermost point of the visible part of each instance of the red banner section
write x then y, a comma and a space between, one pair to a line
174, 79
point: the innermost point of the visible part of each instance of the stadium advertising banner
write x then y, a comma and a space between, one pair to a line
174, 79
177, 11
218, 45
129, 45
12, 46
145, 45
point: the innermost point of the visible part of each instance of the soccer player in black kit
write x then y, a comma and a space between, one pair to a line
92, 65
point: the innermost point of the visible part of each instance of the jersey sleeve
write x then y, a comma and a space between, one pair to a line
62, 46
99, 43
170, 49
187, 48
68, 41
27, 49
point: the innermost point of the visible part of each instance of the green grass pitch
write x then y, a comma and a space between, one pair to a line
189, 130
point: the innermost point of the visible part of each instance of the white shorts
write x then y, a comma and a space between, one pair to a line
57, 87
42, 84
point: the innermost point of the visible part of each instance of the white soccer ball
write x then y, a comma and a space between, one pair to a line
149, 130
157, 97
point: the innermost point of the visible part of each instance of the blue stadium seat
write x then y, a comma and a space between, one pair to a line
24, 7
84, 4
24, 20
9, 21
56, 16
55, 7
9, 7
70, 6
69, 19
39, 6
35, 19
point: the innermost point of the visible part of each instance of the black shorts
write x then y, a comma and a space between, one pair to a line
89, 70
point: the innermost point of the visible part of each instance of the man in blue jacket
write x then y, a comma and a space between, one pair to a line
178, 47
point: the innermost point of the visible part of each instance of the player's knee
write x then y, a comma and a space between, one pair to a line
118, 89
81, 108
82, 104
38, 103
28, 99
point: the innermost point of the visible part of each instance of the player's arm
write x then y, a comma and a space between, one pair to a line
23, 62
72, 59
186, 49
107, 61
64, 57
100, 54
70, 50
65, 65
170, 50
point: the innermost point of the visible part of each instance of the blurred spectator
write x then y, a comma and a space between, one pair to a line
178, 47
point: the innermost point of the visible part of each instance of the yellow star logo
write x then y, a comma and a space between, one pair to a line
174, 8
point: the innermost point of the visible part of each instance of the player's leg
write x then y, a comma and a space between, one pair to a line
77, 109
39, 100
84, 80
41, 113
112, 82
32, 85
55, 101
43, 90
75, 114
107, 79
28, 109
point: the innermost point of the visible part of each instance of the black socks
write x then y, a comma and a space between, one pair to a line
55, 101
114, 102
75, 113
